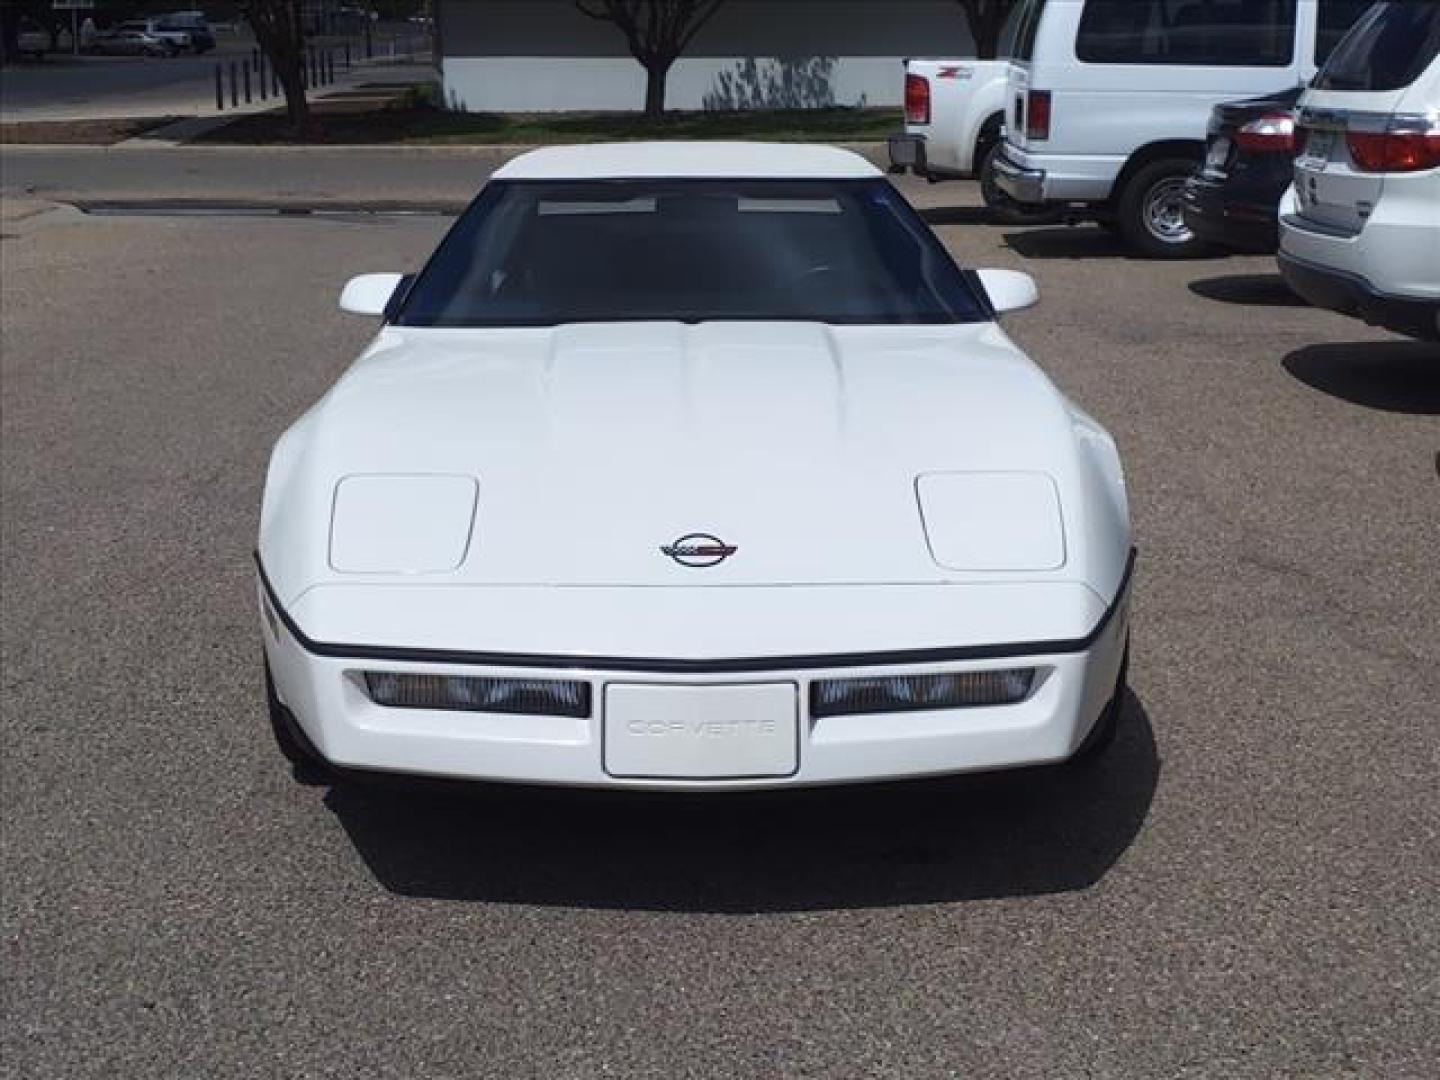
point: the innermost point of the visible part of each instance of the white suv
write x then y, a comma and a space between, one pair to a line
1360, 227
1110, 99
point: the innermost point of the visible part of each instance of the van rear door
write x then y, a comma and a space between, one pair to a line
1027, 27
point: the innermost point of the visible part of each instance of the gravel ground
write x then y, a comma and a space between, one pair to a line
1244, 887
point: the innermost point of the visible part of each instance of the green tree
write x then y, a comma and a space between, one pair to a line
987, 20
657, 32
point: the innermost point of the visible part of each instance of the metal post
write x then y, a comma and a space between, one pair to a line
234, 86
274, 82
248, 99
220, 87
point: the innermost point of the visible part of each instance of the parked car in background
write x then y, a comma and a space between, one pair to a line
130, 43
954, 112
1109, 100
177, 40
193, 23
33, 40
1233, 200
1360, 226
954, 116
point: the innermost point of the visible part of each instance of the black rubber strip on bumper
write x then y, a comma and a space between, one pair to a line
670, 665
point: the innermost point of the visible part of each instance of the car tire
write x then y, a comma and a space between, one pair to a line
1149, 213
294, 744
1102, 735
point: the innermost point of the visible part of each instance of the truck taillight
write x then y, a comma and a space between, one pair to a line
1037, 115
1394, 151
1271, 134
917, 99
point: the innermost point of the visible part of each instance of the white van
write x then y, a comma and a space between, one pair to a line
1110, 99
1360, 226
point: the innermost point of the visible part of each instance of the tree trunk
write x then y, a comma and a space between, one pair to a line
987, 20
655, 76
277, 28
292, 82
986, 46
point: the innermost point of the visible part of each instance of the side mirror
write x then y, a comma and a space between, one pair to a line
1009, 290
369, 294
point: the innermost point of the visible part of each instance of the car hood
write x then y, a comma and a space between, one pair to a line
577, 453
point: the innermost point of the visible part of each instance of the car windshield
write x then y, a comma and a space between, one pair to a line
541, 253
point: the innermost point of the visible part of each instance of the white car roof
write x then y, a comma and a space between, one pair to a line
691, 160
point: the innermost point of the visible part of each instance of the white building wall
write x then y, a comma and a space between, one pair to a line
548, 84
544, 56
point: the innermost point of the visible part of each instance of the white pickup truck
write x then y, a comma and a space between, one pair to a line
954, 114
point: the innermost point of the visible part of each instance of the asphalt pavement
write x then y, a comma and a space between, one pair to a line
1243, 887
303, 177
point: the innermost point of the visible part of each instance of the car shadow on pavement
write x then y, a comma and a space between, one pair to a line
1396, 376
957, 215
1068, 242
1252, 290
1021, 833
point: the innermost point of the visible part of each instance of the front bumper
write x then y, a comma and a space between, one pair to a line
323, 686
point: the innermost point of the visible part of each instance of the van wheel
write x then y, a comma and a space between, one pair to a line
1150, 212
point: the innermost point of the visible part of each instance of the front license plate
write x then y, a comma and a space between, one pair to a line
1219, 154
674, 732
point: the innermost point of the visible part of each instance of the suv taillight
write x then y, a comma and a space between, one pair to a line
1037, 115
917, 99
1272, 134
1394, 151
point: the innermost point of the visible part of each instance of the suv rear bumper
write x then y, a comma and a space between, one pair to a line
1351, 294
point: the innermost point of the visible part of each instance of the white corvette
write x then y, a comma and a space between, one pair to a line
693, 466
